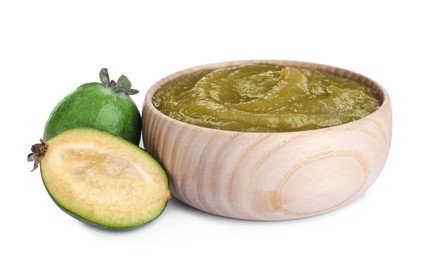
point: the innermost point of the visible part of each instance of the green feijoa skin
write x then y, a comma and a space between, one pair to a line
105, 106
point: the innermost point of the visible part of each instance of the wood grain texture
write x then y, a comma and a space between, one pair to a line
269, 176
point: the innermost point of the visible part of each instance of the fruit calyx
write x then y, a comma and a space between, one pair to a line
123, 85
38, 152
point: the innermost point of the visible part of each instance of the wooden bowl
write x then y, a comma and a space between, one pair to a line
269, 176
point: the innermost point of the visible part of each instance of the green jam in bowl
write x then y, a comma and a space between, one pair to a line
265, 98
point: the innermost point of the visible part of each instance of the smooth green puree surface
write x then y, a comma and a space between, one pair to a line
265, 98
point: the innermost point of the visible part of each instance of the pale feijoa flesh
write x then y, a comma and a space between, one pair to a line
106, 106
102, 179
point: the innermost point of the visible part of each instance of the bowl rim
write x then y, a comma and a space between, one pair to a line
382, 94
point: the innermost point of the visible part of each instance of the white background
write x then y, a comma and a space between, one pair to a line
48, 48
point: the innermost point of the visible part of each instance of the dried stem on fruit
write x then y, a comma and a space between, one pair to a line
38, 151
123, 85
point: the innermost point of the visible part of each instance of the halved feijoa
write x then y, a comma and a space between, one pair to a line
102, 179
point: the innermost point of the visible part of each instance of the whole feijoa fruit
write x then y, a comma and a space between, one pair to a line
101, 179
105, 106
